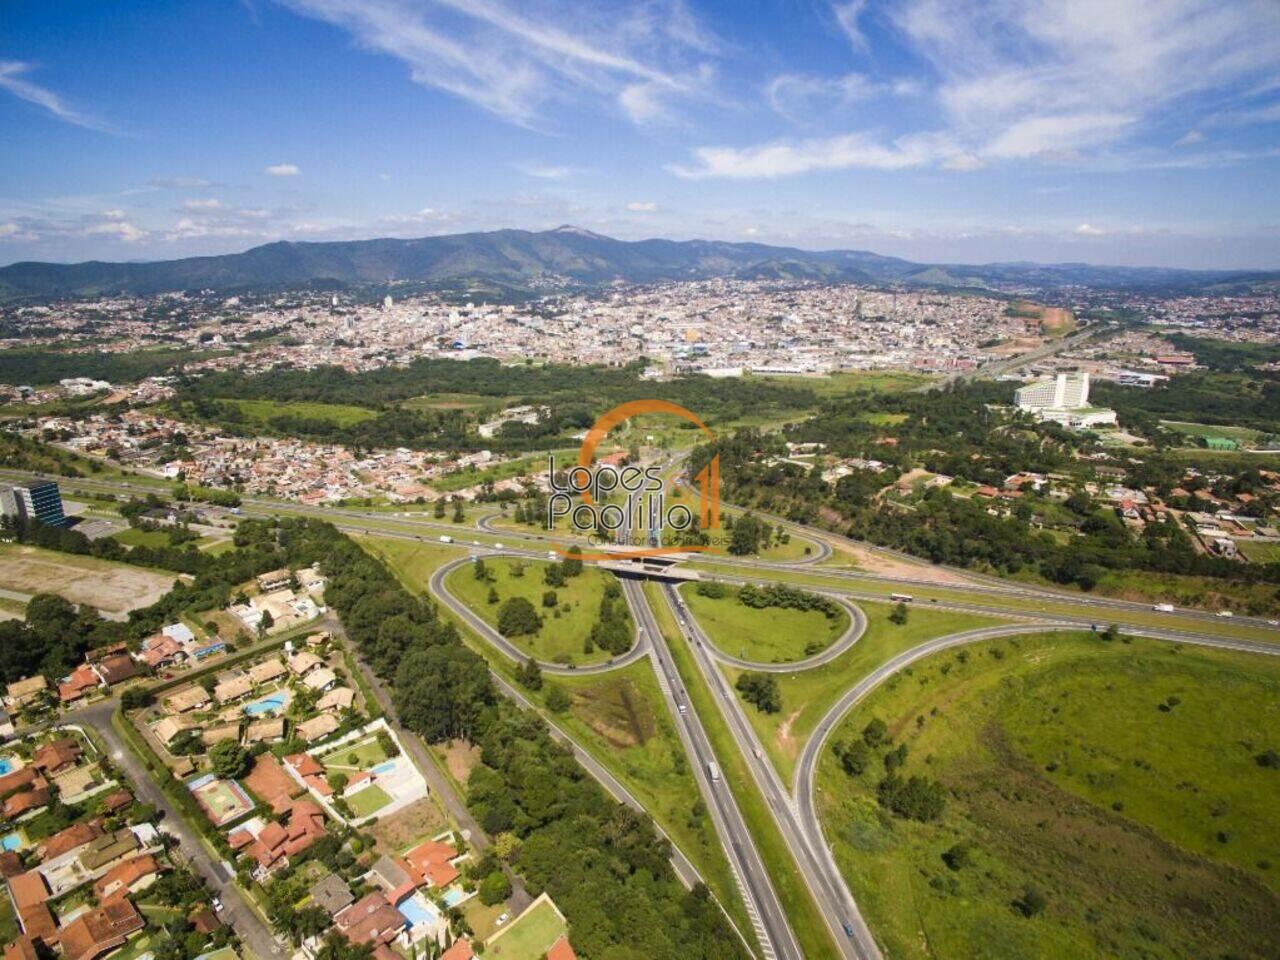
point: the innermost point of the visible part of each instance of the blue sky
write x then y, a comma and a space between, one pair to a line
1108, 131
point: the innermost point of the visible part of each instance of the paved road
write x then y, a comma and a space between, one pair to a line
806, 770
236, 911
764, 909
827, 888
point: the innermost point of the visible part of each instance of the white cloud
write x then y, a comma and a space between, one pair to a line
847, 14
180, 183
12, 73
516, 59
847, 151
547, 171
801, 97
1190, 138
1080, 82
121, 228
1089, 230
283, 170
203, 203
642, 206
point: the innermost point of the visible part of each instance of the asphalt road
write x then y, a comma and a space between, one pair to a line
772, 928
236, 912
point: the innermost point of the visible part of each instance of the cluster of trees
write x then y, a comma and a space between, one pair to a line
518, 618
761, 690
914, 798
748, 534
612, 629
181, 559
573, 395
790, 598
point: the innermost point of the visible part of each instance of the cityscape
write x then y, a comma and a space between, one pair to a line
594, 480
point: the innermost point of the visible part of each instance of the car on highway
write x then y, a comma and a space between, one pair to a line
848, 928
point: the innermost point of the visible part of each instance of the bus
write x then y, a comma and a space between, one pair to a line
901, 597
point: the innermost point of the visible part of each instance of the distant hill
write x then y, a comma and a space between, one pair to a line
518, 258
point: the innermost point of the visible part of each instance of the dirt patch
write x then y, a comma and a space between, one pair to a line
786, 742
1056, 320
873, 561
409, 825
617, 711
459, 757
112, 588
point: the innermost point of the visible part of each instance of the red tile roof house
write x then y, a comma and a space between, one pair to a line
81, 681
273, 846
161, 651
28, 778
116, 668
310, 772
131, 876
24, 803
433, 860
371, 920
29, 894
461, 950
68, 839
21, 949
92, 935
560, 950
57, 755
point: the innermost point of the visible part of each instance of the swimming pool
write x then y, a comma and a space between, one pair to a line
386, 766
454, 896
418, 909
12, 842
272, 704
6, 766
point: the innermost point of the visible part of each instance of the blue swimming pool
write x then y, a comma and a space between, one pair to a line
454, 896
6, 766
418, 909
272, 704
385, 767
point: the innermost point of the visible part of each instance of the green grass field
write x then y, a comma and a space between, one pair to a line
367, 802
535, 465
1244, 435
413, 562
529, 936
355, 756
263, 411
134, 537
562, 637
808, 694
840, 384
769, 635
1109, 777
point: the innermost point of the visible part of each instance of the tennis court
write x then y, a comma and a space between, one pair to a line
222, 800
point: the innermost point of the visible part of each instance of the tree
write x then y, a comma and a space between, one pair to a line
229, 759
761, 689
957, 856
916, 799
506, 845
1031, 902
875, 733
529, 674
437, 509
550, 598
479, 570
458, 514
899, 614
266, 623
557, 699
517, 618
571, 566
493, 597
854, 756
494, 888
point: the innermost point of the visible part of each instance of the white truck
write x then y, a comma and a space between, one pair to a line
714, 772
1163, 607
445, 538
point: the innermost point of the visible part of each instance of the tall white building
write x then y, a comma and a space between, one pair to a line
1063, 392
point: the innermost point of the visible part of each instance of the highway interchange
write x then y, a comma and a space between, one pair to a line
792, 808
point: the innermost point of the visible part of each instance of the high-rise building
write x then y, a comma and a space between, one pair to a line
1063, 392
35, 501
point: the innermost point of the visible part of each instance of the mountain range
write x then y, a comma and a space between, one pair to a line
519, 259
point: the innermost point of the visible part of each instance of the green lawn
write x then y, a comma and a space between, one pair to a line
768, 635
263, 411
1243, 435
529, 936
793, 893
1108, 776
1260, 551
134, 537
561, 637
355, 756
808, 694
412, 561
841, 384
366, 802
